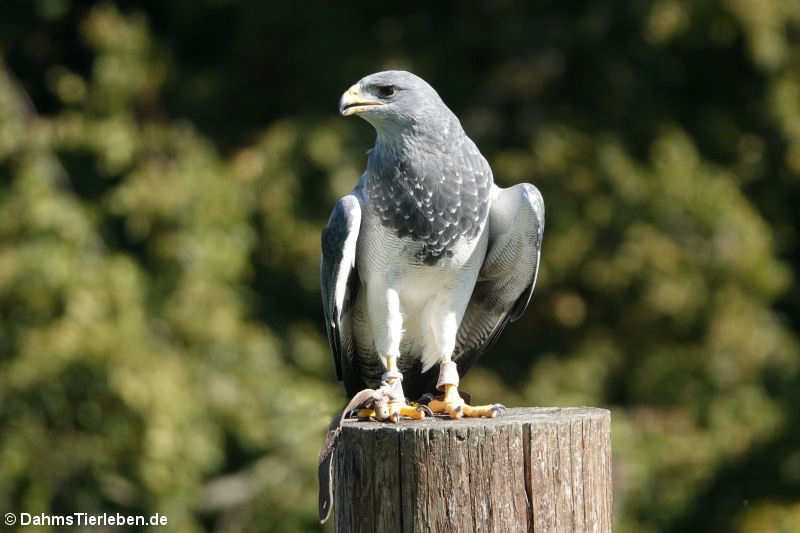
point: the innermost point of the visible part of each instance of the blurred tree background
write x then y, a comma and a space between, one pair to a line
166, 169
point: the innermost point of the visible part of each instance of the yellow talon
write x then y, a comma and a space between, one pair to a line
476, 411
382, 407
409, 411
452, 404
396, 410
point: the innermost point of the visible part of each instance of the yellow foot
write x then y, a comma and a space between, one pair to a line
393, 411
453, 405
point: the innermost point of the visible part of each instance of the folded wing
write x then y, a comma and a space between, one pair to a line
508, 275
339, 277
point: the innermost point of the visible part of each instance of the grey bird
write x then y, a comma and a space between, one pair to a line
426, 260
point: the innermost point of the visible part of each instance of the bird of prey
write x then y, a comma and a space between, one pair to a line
426, 260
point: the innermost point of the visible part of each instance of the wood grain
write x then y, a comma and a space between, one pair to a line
532, 470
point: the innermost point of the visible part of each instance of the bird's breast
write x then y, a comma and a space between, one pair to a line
381, 248
435, 202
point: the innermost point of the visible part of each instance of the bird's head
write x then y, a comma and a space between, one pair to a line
396, 101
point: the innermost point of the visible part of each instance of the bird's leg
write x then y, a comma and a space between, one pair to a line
386, 321
441, 343
451, 403
394, 380
393, 403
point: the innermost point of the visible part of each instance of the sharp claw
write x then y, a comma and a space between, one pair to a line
425, 409
498, 409
426, 398
394, 418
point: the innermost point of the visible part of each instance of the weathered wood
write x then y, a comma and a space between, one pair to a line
531, 470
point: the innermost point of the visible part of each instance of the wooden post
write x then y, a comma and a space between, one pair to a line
531, 470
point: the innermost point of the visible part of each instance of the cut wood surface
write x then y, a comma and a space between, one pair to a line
533, 469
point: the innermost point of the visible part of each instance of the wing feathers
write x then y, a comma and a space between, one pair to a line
339, 240
508, 275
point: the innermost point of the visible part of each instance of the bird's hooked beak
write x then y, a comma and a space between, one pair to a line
354, 101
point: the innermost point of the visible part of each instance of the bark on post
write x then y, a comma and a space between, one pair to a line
531, 470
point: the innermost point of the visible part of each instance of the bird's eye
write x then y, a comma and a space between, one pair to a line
385, 91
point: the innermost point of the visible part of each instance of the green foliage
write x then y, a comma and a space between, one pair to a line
165, 171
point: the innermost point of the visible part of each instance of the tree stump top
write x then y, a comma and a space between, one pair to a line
515, 415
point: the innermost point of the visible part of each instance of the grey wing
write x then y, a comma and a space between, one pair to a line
339, 278
508, 274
